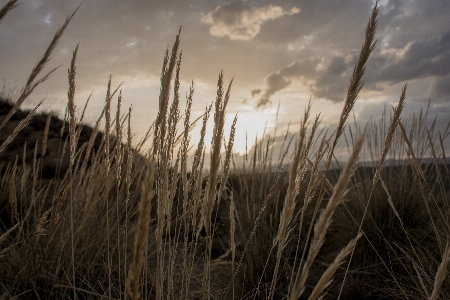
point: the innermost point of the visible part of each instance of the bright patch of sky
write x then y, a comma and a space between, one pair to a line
48, 19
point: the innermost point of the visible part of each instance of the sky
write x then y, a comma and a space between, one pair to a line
280, 54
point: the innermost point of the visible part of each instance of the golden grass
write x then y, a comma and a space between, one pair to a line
118, 223
441, 273
142, 234
7, 7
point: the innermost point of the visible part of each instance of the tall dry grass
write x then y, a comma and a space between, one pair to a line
115, 222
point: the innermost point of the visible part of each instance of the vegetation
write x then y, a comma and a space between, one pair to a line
85, 215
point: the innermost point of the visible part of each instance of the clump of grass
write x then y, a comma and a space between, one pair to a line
120, 223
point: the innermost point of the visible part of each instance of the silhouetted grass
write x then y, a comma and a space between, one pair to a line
85, 215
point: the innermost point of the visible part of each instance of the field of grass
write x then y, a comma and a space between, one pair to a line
87, 215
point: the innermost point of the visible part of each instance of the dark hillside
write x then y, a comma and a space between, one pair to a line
54, 163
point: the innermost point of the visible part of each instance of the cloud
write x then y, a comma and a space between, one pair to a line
274, 82
255, 92
328, 77
328, 82
419, 59
441, 89
331, 83
413, 46
240, 21
424, 59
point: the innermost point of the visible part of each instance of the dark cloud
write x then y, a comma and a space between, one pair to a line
445, 40
255, 92
329, 83
413, 44
337, 66
441, 89
332, 82
421, 59
328, 23
274, 82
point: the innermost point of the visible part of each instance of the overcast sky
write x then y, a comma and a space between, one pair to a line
277, 52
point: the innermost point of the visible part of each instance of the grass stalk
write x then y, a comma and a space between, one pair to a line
324, 221
141, 238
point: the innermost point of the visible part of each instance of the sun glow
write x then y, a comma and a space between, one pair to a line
250, 124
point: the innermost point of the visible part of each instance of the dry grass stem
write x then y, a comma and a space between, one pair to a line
141, 238
210, 193
7, 233
326, 278
232, 238
13, 194
40, 224
73, 145
32, 83
357, 82
11, 4
44, 139
296, 175
22, 125
324, 221
441, 273
390, 134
